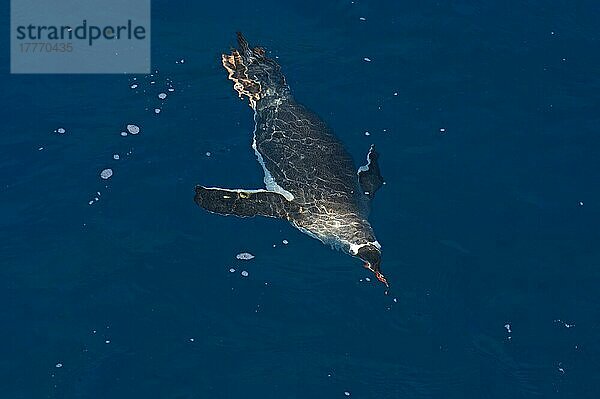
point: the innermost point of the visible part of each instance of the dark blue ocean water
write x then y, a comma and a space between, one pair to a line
489, 226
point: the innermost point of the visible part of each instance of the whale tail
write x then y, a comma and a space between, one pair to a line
254, 74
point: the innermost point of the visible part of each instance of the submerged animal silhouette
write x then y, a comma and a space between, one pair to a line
310, 179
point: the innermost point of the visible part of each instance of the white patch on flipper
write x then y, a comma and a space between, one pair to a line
270, 183
365, 168
238, 190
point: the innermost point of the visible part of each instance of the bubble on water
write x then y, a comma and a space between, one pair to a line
40, 149
91, 202
286, 242
107, 341
564, 323
106, 173
396, 93
244, 273
171, 89
208, 154
367, 278
58, 365
367, 59
367, 134
162, 96
123, 134
362, 18
116, 157
442, 130
346, 393
134, 86
232, 270
508, 329
61, 130
244, 256
133, 129
191, 339
157, 110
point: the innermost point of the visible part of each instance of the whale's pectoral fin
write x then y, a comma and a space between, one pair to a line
245, 203
369, 175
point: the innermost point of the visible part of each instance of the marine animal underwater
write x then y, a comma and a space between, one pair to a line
310, 179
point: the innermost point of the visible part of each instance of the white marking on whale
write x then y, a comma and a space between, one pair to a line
270, 182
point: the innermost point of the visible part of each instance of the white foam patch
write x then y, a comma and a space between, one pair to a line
133, 129
162, 96
244, 256
106, 174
